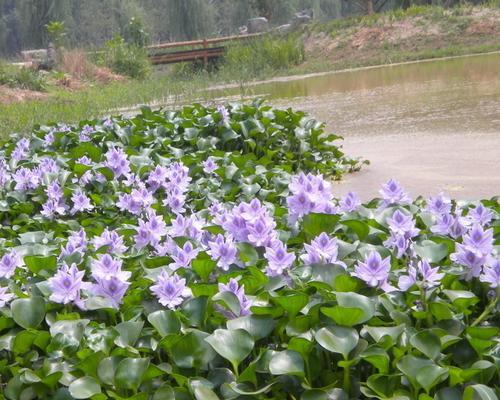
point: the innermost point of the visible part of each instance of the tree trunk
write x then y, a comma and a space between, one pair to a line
368, 6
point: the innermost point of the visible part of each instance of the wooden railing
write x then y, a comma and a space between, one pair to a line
204, 53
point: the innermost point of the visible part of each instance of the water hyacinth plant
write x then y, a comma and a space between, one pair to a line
188, 255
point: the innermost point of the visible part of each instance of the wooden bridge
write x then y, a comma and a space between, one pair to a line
194, 50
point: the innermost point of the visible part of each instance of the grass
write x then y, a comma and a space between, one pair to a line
256, 60
22, 78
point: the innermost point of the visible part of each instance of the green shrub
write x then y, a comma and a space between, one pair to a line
264, 56
127, 59
23, 78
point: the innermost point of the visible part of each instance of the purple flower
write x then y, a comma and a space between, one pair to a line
110, 239
191, 227
424, 273
77, 243
48, 166
175, 200
54, 191
491, 274
183, 256
470, 258
8, 264
261, 232
106, 266
224, 114
278, 259
393, 193
80, 202
107, 123
84, 135
399, 243
111, 288
178, 177
402, 224
5, 296
439, 205
135, 202
374, 271
157, 178
480, 215
21, 150
49, 138
322, 250
5, 176
150, 231
25, 179
239, 291
349, 203
143, 236
84, 160
52, 207
170, 290
479, 240
116, 161
223, 250
66, 285
447, 224
209, 165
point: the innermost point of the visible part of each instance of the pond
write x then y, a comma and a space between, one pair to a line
434, 126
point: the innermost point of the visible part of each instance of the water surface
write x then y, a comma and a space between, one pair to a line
435, 126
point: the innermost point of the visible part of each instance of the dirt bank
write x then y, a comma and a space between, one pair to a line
401, 36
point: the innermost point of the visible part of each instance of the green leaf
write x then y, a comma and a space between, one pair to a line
229, 300
291, 302
343, 315
378, 357
203, 265
259, 326
286, 362
130, 371
427, 342
165, 322
337, 339
128, 333
233, 345
411, 365
247, 253
37, 263
462, 299
84, 388
377, 333
479, 392
360, 228
70, 331
203, 393
191, 350
315, 224
430, 375
87, 149
354, 300
433, 252
28, 312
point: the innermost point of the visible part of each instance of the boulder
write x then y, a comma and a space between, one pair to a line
257, 25
283, 29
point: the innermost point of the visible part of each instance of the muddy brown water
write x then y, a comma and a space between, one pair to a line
434, 126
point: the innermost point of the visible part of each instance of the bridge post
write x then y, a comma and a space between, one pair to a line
205, 57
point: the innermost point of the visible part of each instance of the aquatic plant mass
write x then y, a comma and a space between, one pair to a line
202, 254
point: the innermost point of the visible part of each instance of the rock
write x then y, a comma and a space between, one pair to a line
300, 20
34, 55
287, 28
257, 25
